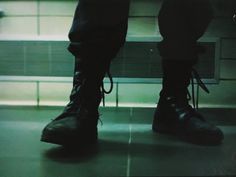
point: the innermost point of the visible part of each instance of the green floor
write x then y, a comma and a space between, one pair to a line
127, 147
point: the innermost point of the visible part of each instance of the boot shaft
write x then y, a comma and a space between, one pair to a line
87, 80
176, 77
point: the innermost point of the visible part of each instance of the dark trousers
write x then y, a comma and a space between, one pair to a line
99, 28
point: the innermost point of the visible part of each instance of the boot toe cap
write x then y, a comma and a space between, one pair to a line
210, 136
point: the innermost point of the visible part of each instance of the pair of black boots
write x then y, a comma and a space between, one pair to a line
77, 125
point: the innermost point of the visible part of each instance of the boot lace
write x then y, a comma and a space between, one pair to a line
104, 91
195, 99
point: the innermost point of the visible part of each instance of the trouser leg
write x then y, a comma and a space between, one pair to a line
181, 24
98, 29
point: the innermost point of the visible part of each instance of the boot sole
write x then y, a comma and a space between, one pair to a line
69, 141
194, 140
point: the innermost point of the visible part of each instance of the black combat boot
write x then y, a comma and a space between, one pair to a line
174, 115
77, 125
